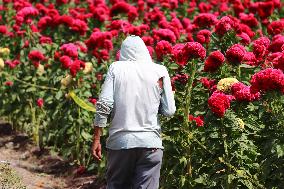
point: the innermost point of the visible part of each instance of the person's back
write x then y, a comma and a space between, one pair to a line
134, 92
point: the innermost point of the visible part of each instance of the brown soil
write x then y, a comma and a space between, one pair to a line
39, 169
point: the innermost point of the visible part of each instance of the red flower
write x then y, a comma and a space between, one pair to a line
249, 59
79, 26
203, 36
3, 29
260, 47
207, 83
9, 83
205, 20
219, 103
199, 120
93, 100
123, 7
163, 48
279, 63
265, 9
66, 61
193, 50
44, 40
36, 56
248, 19
243, 93
177, 54
267, 80
276, 27
164, 34
245, 39
214, 61
224, 25
75, 67
235, 54
277, 42
40, 102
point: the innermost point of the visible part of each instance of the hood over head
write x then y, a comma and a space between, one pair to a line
133, 48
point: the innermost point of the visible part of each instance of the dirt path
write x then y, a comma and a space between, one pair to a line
39, 170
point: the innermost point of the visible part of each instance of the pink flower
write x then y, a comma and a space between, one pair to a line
40, 102
235, 54
70, 49
214, 61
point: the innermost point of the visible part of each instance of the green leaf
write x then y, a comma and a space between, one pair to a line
81, 102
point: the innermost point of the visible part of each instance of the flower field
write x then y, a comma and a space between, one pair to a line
225, 59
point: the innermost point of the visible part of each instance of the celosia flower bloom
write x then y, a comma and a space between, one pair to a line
164, 34
163, 48
240, 123
267, 80
225, 84
199, 120
40, 102
243, 93
214, 61
203, 36
193, 50
70, 49
36, 56
276, 27
219, 102
205, 20
235, 54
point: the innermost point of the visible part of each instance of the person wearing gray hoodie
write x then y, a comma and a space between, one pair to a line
134, 92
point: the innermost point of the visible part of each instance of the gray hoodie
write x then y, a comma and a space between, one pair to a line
132, 96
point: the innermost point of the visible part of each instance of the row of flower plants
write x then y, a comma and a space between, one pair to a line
225, 59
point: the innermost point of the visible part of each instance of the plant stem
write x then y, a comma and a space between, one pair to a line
239, 72
188, 92
192, 67
225, 145
32, 85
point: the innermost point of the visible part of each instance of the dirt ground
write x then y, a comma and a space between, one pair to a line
38, 170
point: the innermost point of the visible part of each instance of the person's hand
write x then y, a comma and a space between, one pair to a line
97, 150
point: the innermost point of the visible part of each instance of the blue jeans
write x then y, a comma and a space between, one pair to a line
136, 168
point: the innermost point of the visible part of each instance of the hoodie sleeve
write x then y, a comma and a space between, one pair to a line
104, 105
167, 103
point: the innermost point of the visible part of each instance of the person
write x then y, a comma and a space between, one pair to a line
135, 90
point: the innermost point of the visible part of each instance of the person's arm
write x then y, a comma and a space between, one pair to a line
104, 107
167, 103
